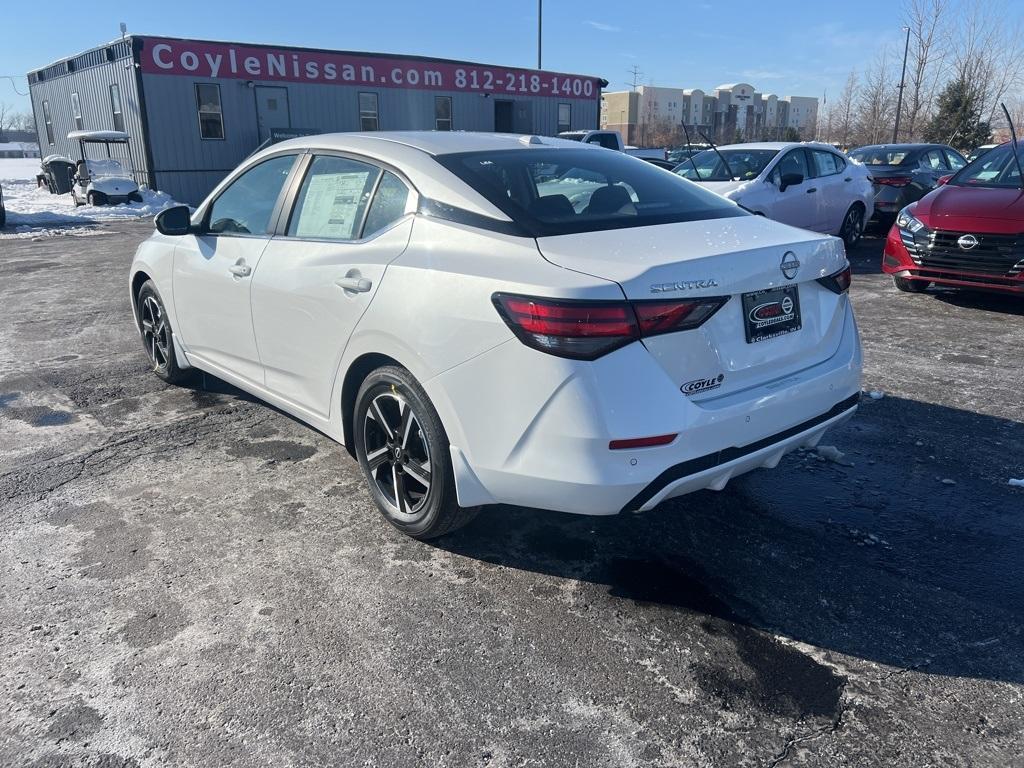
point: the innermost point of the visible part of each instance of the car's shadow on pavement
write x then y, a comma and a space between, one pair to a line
924, 574
988, 301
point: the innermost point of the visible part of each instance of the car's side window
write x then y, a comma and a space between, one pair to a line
932, 161
794, 161
955, 161
246, 205
826, 163
333, 199
388, 204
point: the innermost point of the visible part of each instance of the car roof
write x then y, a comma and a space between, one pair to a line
778, 146
413, 153
431, 142
901, 147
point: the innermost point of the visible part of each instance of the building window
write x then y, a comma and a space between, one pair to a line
564, 118
211, 114
48, 122
368, 116
115, 107
442, 113
76, 112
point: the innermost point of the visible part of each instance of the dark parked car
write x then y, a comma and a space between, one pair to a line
904, 173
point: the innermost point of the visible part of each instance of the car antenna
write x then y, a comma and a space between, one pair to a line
720, 155
689, 153
1013, 134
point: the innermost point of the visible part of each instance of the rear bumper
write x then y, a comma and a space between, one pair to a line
714, 470
897, 261
534, 430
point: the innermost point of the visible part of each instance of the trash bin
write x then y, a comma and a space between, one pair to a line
59, 172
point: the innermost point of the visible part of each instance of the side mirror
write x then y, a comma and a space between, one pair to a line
174, 221
944, 179
791, 180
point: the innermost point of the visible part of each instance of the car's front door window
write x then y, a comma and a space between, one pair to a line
792, 162
245, 207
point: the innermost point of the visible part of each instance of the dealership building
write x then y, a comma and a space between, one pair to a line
195, 108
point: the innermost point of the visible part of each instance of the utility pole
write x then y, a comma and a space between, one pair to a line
540, 29
636, 73
899, 101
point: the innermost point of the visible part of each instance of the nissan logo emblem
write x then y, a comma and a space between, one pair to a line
966, 242
790, 265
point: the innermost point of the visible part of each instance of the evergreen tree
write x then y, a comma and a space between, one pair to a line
957, 118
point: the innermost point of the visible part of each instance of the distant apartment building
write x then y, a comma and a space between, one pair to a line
734, 111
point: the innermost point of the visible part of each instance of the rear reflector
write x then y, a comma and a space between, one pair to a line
586, 330
642, 442
892, 181
838, 282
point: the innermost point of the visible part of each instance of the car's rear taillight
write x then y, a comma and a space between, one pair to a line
892, 181
586, 330
838, 282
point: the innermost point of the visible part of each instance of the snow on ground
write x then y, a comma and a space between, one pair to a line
34, 212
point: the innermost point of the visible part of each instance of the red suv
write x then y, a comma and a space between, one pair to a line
969, 232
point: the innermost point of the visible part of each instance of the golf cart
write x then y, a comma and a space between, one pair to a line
103, 181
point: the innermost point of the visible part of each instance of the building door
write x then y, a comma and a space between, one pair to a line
271, 109
503, 116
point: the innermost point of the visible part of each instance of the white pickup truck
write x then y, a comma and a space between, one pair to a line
612, 140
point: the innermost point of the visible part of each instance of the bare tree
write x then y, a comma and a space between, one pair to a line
926, 59
7, 114
988, 51
841, 113
876, 102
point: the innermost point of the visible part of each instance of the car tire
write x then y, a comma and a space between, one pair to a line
96, 198
158, 336
135, 197
403, 450
910, 286
853, 225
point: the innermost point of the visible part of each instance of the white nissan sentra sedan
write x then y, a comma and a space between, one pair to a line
485, 318
809, 184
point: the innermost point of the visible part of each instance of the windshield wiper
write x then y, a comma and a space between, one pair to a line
728, 168
689, 154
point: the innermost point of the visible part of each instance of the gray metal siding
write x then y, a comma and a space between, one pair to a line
93, 88
188, 167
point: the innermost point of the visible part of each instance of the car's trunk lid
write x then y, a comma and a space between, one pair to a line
721, 257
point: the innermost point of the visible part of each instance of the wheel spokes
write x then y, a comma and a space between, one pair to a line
420, 473
396, 453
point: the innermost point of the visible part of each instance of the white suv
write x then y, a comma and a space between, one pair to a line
486, 319
807, 185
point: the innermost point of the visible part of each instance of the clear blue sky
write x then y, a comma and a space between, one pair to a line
781, 46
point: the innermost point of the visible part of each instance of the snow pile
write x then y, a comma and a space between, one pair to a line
31, 210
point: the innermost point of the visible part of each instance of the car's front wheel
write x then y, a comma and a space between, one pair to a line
853, 226
910, 286
403, 449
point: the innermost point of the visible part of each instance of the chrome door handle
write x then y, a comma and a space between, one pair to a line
357, 284
240, 270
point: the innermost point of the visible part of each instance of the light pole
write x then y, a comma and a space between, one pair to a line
540, 27
899, 101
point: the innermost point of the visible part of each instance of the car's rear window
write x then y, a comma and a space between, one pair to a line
881, 155
562, 191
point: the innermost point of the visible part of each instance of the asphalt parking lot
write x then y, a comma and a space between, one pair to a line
189, 577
